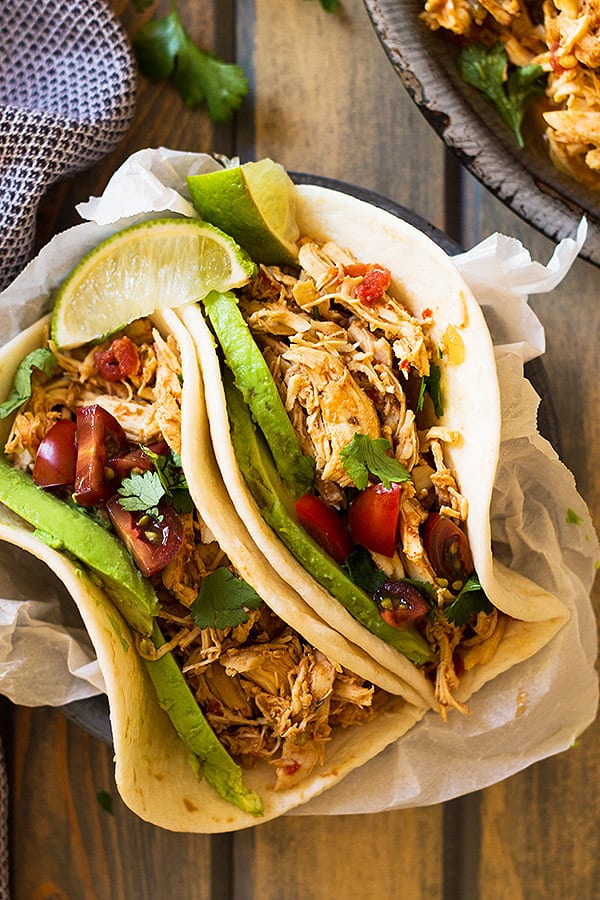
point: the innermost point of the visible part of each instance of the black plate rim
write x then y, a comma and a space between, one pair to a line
530, 186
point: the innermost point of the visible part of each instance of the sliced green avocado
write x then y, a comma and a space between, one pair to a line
67, 529
175, 697
254, 380
277, 507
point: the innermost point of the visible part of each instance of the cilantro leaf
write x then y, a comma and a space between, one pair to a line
364, 456
223, 600
142, 493
486, 68
431, 384
361, 569
470, 600
168, 468
41, 359
164, 49
330, 5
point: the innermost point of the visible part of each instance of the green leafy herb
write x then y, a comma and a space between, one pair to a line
363, 455
142, 493
168, 468
164, 49
42, 360
471, 600
362, 570
573, 518
330, 5
431, 384
509, 88
223, 600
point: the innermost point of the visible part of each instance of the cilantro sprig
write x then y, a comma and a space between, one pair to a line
432, 385
470, 600
142, 492
223, 600
365, 456
165, 50
510, 88
43, 360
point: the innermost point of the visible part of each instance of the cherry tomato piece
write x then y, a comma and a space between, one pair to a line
119, 361
151, 542
373, 518
325, 525
99, 438
447, 547
55, 459
401, 605
137, 460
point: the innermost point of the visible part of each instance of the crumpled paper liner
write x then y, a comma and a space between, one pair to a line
540, 525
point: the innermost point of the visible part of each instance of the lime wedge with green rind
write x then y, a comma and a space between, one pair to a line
150, 266
256, 204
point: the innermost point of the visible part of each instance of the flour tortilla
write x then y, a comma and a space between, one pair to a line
153, 770
423, 277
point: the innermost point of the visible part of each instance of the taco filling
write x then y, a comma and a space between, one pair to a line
359, 379
100, 430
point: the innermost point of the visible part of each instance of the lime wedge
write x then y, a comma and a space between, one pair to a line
150, 266
256, 204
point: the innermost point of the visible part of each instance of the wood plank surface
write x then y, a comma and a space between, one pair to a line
325, 100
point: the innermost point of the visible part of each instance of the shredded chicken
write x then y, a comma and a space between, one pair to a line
563, 36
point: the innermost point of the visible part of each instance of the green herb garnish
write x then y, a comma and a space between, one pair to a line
142, 493
42, 360
164, 49
509, 88
364, 456
223, 600
431, 384
470, 600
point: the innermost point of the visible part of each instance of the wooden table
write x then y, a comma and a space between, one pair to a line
324, 100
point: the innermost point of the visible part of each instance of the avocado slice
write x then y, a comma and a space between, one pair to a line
176, 698
277, 508
65, 528
254, 380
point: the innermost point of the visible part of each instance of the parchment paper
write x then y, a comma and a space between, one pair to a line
540, 525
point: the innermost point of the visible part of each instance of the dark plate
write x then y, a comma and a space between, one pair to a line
525, 180
92, 714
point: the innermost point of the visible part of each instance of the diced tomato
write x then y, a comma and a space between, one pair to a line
401, 605
356, 269
119, 361
55, 459
447, 547
374, 284
152, 543
325, 525
373, 518
137, 460
99, 438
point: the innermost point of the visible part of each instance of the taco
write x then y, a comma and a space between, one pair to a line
355, 415
226, 709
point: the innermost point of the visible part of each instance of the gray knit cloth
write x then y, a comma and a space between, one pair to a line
67, 94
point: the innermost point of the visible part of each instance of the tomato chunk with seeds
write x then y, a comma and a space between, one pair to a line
325, 525
119, 361
401, 605
153, 542
447, 547
99, 437
373, 518
56, 457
